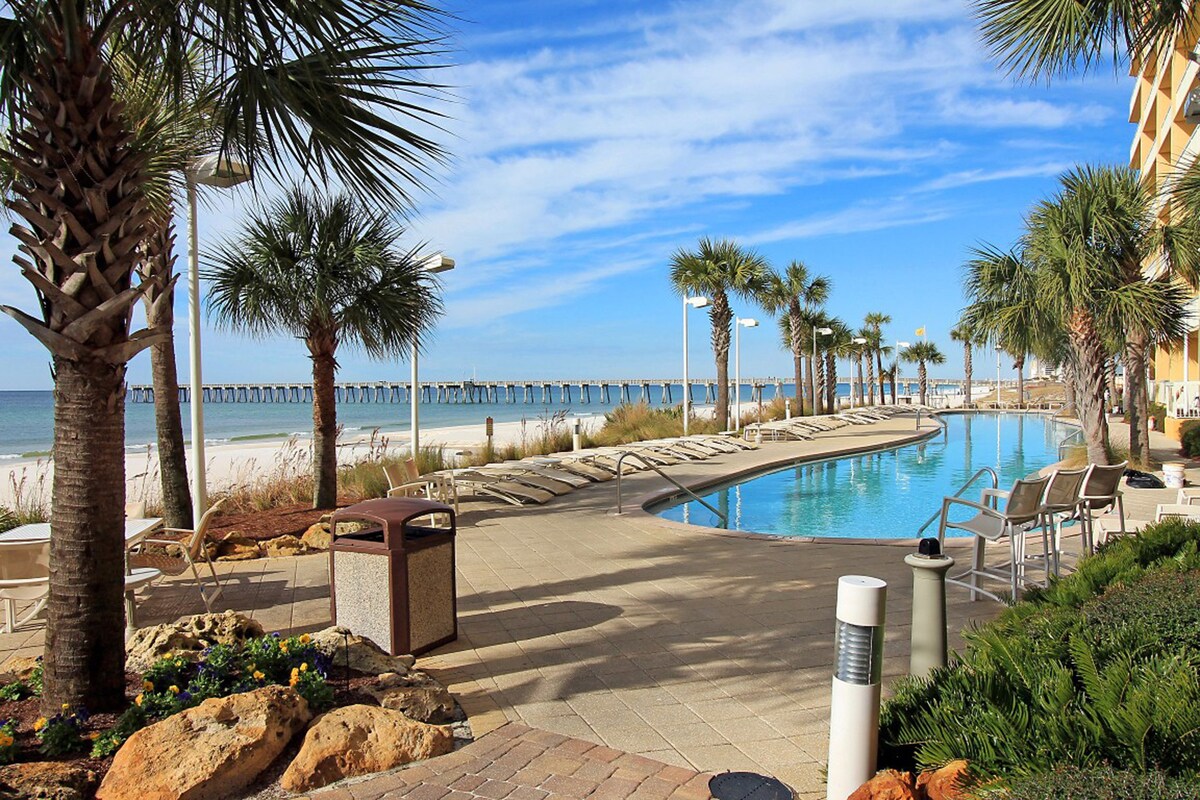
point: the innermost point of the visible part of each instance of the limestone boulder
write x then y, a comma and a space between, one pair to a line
286, 545
208, 752
47, 780
234, 546
317, 536
887, 785
359, 740
18, 668
415, 694
361, 653
947, 783
187, 637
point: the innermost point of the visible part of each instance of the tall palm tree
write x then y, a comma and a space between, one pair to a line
890, 372
923, 353
327, 85
837, 345
864, 353
328, 271
963, 333
793, 293
717, 269
875, 320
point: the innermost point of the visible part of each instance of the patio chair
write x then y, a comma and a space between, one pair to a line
1102, 491
990, 524
406, 480
1062, 502
492, 485
24, 578
177, 556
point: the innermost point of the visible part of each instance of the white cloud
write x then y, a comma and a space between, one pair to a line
969, 177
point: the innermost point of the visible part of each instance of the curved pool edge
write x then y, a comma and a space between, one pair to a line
639, 505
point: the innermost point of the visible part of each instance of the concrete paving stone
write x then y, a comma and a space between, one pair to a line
499, 771
468, 783
568, 786
615, 789
427, 791
495, 790
528, 793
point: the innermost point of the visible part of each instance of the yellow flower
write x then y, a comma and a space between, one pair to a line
293, 680
283, 646
258, 676
5, 740
94, 735
148, 686
138, 699
66, 706
304, 667
173, 689
305, 638
39, 724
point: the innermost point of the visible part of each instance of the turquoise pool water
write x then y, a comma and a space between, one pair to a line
881, 495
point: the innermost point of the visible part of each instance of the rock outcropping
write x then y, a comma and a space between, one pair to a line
187, 637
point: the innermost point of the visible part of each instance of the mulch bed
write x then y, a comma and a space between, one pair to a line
263, 525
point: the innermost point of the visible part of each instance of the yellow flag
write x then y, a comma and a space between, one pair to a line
921, 331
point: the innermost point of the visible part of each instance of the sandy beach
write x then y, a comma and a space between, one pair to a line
234, 463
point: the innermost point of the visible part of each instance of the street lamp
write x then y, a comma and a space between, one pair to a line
737, 369
223, 173
694, 302
898, 346
816, 332
999, 350
438, 262
859, 341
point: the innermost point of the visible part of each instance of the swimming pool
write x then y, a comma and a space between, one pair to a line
881, 495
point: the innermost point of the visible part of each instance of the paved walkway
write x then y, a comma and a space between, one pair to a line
702, 650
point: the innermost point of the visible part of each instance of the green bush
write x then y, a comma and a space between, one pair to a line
8, 520
1083, 673
1101, 783
1189, 439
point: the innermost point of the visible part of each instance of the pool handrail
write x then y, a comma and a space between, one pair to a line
621, 458
970, 481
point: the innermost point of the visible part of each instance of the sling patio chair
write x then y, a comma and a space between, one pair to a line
405, 480
1102, 491
1062, 503
1023, 508
24, 578
177, 556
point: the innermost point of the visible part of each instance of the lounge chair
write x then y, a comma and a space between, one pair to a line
24, 578
492, 485
583, 468
526, 477
177, 556
406, 480
549, 471
1023, 508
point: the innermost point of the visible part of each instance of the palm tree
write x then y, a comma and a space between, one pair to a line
837, 345
716, 269
921, 354
864, 353
793, 293
963, 333
875, 320
328, 271
326, 85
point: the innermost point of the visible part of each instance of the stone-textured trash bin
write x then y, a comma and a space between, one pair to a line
393, 581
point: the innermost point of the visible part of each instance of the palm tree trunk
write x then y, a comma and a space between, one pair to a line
84, 662
968, 368
822, 383
882, 377
1090, 368
324, 425
1110, 371
1070, 383
922, 380
1019, 366
157, 269
797, 341
892, 383
859, 365
1137, 397
721, 316
871, 378
831, 384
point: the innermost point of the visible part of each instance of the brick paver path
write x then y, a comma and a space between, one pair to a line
516, 762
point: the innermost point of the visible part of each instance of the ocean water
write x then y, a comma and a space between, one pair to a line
27, 418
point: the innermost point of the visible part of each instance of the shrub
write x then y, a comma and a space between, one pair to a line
8, 741
60, 735
1098, 783
129, 723
1189, 439
1066, 677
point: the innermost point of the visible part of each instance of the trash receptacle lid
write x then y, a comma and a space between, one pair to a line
390, 511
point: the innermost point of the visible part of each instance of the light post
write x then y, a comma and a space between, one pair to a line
223, 173
694, 302
438, 262
898, 346
999, 350
737, 369
816, 332
858, 341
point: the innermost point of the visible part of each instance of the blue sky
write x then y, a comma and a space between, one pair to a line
874, 141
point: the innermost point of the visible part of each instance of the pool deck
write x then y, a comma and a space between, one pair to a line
697, 648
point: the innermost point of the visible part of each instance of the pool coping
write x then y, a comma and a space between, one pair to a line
639, 504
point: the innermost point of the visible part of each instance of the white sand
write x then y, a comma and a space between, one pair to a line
235, 463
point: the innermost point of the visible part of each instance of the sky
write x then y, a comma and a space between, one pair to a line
874, 141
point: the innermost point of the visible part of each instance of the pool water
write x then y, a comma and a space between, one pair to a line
886, 494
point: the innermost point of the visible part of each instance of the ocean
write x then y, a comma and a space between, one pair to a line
27, 418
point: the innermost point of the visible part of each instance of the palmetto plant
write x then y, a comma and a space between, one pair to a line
329, 272
922, 354
717, 269
328, 86
794, 292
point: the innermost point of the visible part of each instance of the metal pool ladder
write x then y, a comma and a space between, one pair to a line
961, 490
621, 458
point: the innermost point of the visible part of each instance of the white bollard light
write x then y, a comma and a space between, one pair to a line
577, 435
858, 665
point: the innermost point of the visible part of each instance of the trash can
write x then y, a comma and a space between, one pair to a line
393, 581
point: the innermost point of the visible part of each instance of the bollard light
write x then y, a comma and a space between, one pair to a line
929, 566
577, 435
858, 667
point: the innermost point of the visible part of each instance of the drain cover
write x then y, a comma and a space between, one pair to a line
748, 786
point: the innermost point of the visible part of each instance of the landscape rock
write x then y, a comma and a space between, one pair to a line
359, 740
887, 785
47, 780
416, 695
208, 752
18, 668
234, 546
187, 637
286, 545
317, 536
947, 783
364, 655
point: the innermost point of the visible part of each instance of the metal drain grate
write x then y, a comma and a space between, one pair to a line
748, 786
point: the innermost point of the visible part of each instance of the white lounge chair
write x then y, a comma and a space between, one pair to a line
24, 578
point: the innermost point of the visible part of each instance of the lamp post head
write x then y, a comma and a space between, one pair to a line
696, 302
748, 323
438, 262
220, 171
858, 340
824, 331
903, 344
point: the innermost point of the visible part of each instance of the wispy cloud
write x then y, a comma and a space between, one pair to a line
969, 177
